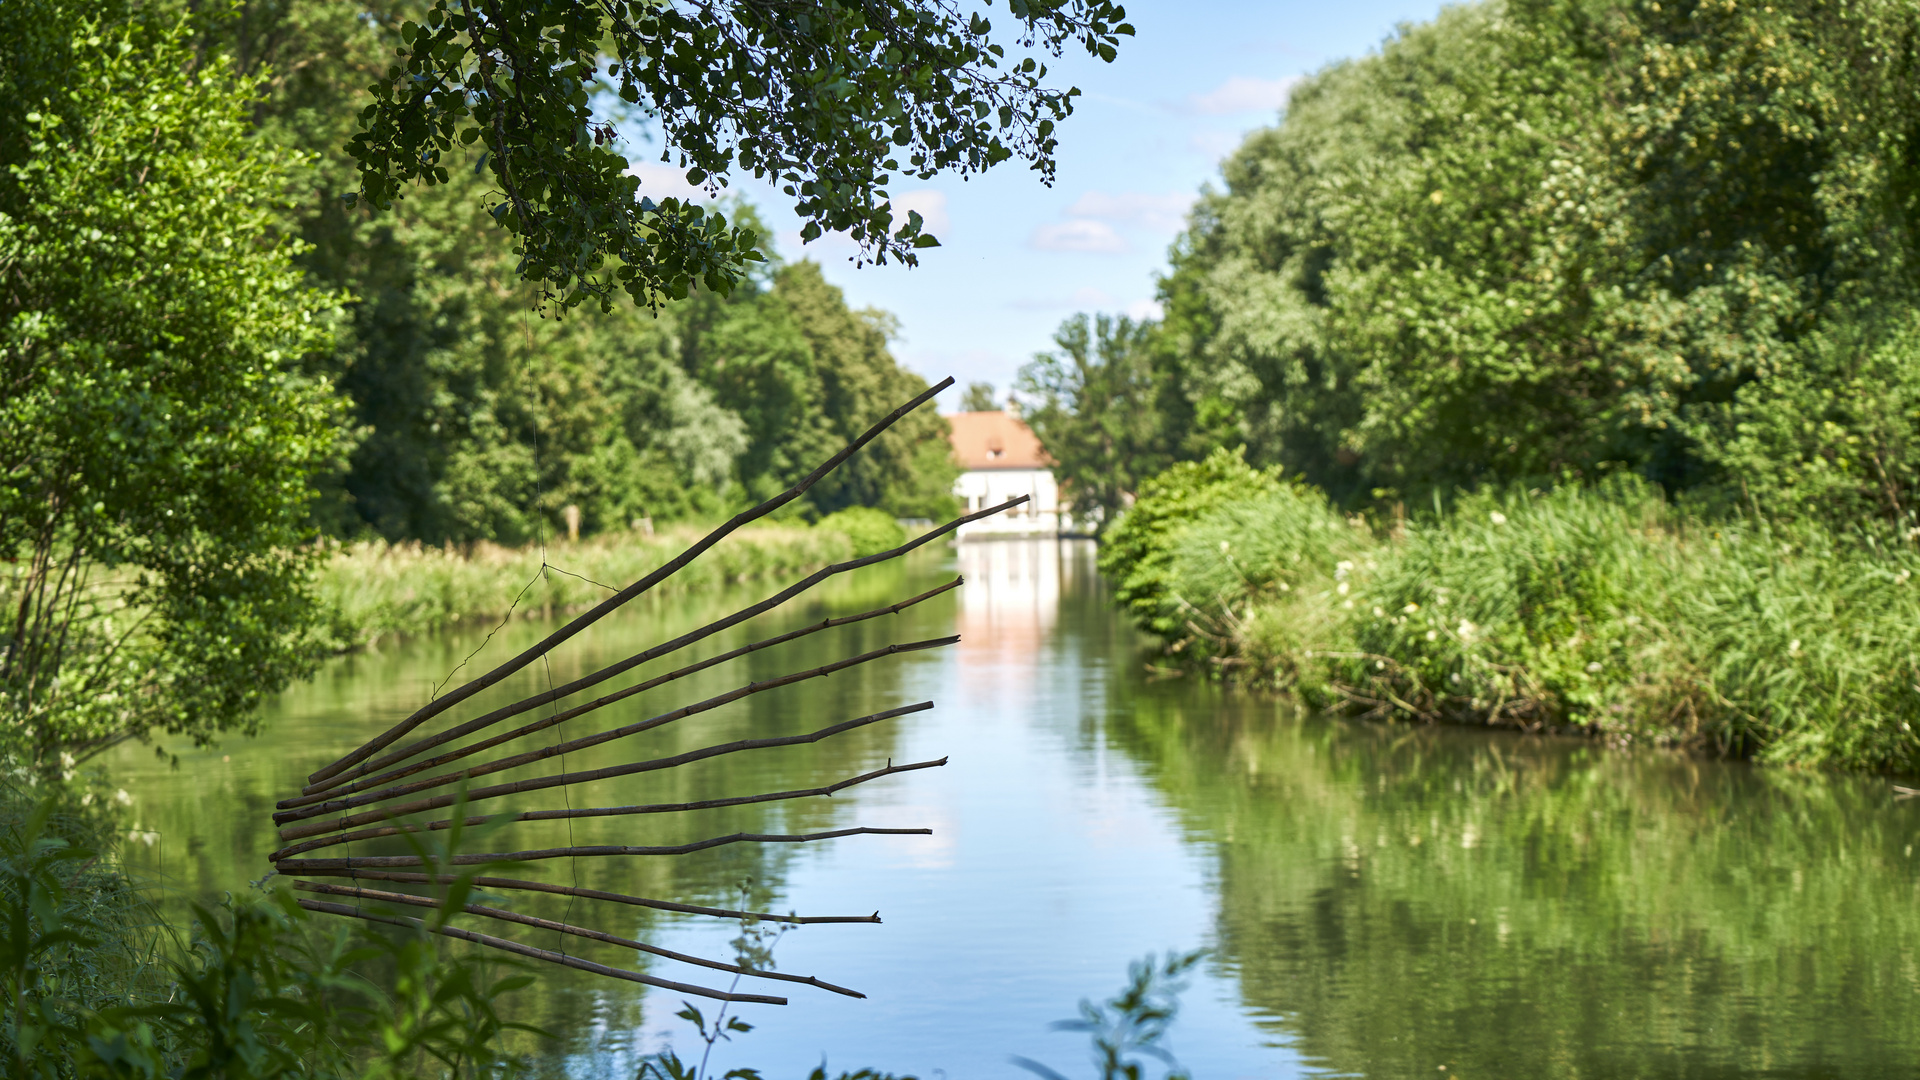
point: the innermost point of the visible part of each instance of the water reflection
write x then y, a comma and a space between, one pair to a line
1382, 901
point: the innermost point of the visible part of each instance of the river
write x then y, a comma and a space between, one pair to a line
1377, 900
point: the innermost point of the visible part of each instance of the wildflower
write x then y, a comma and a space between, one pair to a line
1224, 545
122, 797
1901, 577
1465, 629
1454, 678
1342, 568
1497, 518
1342, 589
1410, 609
1593, 668
1793, 647
1433, 635
1377, 613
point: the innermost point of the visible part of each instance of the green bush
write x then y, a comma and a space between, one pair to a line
1603, 609
870, 531
92, 984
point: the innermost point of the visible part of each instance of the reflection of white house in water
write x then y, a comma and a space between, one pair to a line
1010, 602
1003, 459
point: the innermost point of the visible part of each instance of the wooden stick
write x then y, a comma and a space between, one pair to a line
488, 720
348, 801
675, 565
517, 885
304, 866
598, 811
562, 779
505, 915
538, 954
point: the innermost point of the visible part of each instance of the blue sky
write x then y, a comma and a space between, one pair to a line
1149, 132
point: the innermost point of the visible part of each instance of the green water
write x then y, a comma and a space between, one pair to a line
1380, 901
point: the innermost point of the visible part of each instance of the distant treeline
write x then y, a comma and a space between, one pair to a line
473, 418
1547, 241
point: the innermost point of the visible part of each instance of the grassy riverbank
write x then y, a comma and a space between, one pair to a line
375, 590
1603, 610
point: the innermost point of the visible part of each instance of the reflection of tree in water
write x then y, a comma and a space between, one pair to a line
203, 851
1400, 899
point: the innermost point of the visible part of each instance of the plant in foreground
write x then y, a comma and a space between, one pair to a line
1134, 1022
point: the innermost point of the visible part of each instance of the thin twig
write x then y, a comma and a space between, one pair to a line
329, 805
540, 783
304, 866
599, 811
605, 607
505, 915
471, 726
517, 885
538, 954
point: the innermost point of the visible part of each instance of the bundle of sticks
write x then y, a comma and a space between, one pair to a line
383, 787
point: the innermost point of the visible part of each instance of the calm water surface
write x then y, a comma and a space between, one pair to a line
1379, 901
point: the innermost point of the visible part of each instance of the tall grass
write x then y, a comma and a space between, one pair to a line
1601, 609
372, 590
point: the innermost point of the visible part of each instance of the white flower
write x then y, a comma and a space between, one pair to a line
1465, 629
1410, 609
1224, 545
1454, 678
1793, 647
1342, 589
1901, 577
122, 797
1497, 518
1342, 568
1433, 635
1593, 668
1377, 613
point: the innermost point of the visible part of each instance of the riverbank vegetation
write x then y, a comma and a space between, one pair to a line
1636, 279
1598, 609
370, 589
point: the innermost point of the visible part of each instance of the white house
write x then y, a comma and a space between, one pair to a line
1002, 459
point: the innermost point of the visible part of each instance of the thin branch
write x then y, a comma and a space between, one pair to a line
559, 692
538, 954
540, 783
505, 915
517, 885
304, 866
582, 743
434, 708
598, 811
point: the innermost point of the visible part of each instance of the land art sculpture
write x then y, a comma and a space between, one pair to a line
390, 785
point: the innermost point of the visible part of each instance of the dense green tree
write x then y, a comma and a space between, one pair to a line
479, 419
1105, 410
829, 99
1543, 239
978, 397
157, 423
909, 471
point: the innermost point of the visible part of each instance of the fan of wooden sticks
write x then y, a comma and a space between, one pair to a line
379, 788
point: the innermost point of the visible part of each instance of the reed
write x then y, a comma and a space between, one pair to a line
372, 589
1600, 609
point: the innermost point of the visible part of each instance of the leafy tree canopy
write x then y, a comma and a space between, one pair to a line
829, 99
157, 422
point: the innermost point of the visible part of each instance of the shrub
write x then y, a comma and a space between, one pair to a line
870, 531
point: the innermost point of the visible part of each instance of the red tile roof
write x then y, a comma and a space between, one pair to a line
995, 440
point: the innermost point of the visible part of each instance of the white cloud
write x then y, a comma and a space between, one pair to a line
1145, 309
932, 206
1214, 144
1078, 235
1243, 94
666, 182
1085, 298
1158, 213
